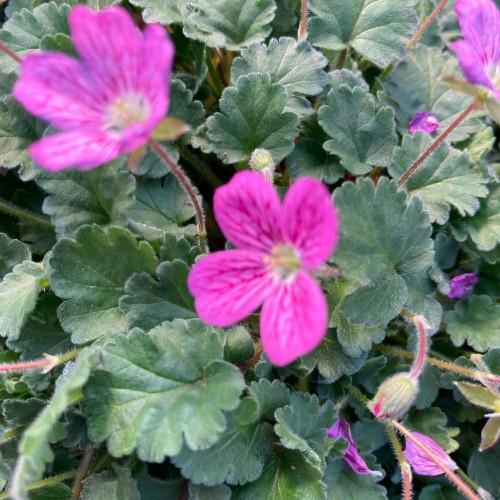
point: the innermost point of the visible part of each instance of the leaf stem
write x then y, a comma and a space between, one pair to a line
186, 184
466, 478
215, 77
406, 476
302, 34
341, 59
82, 473
9, 52
201, 167
425, 24
461, 485
44, 482
435, 144
22, 213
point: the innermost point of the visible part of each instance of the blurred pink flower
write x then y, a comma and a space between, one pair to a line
106, 104
351, 455
426, 122
479, 50
461, 284
277, 246
420, 462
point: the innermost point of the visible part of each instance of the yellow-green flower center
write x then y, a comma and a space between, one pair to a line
126, 111
283, 261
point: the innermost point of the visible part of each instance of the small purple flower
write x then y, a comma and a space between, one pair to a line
479, 50
461, 284
108, 102
419, 460
341, 429
426, 122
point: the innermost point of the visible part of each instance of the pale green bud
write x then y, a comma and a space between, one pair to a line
261, 159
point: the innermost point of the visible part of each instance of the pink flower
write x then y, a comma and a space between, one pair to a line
277, 246
106, 104
461, 284
419, 460
351, 455
479, 51
426, 122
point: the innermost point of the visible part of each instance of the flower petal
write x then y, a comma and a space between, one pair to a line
310, 221
228, 286
80, 149
461, 284
56, 88
293, 319
248, 210
426, 122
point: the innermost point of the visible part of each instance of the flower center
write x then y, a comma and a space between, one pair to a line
283, 261
126, 111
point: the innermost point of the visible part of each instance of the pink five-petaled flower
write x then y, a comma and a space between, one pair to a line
277, 246
421, 462
106, 104
426, 122
479, 51
341, 429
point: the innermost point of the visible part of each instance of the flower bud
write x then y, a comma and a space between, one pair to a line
394, 396
261, 159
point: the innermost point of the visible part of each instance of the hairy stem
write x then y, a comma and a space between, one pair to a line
82, 473
186, 184
341, 59
9, 52
47, 362
203, 169
403, 463
22, 213
461, 485
435, 144
44, 482
425, 24
358, 394
419, 363
302, 34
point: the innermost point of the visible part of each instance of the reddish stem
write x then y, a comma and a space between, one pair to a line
406, 473
302, 35
29, 365
425, 24
435, 144
419, 364
9, 52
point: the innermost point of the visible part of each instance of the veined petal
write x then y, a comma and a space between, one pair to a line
228, 286
293, 319
79, 149
310, 222
426, 122
469, 58
55, 88
248, 210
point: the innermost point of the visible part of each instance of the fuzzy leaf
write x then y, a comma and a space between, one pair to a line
484, 226
447, 178
476, 320
269, 396
76, 198
236, 458
115, 484
414, 85
252, 117
287, 476
163, 11
12, 252
91, 272
173, 380
483, 468
200, 492
302, 425
34, 449
297, 66
377, 29
361, 136
232, 24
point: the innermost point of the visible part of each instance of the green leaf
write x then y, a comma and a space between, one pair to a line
59, 43
238, 344
34, 449
429, 381
252, 117
115, 484
153, 166
483, 468
173, 381
285, 20
414, 85
447, 178
297, 66
344, 484
479, 395
149, 302
91, 272
18, 412
476, 320
23, 32
18, 294
377, 29
440, 492
200, 492
287, 476
232, 24
18, 129
381, 233
309, 159
12, 252
160, 207
100, 196
237, 457
269, 396
302, 425
484, 226
18, 5
163, 11
360, 135
56, 491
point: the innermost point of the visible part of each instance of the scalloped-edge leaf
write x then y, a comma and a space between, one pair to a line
12, 252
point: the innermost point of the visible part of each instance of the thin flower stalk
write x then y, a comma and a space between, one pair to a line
302, 34
9, 52
46, 363
22, 213
406, 476
82, 473
419, 363
425, 24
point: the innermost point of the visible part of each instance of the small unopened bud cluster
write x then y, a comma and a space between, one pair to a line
262, 162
